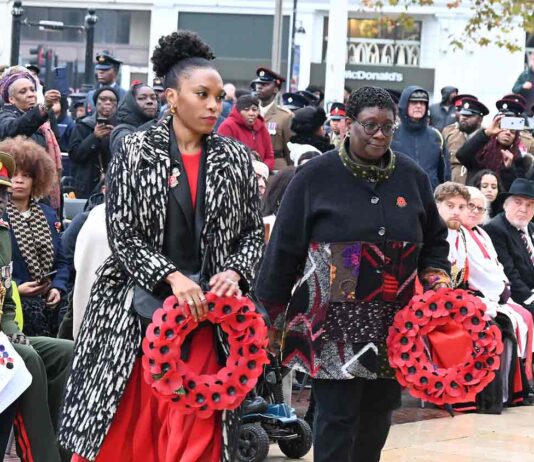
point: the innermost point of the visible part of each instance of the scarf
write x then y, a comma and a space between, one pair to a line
490, 156
368, 172
33, 238
54, 152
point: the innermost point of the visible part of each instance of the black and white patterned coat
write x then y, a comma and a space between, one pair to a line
110, 334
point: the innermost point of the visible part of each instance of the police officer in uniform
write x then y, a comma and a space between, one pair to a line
470, 115
107, 72
278, 119
47, 359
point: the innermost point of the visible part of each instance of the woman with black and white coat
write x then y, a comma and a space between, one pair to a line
160, 224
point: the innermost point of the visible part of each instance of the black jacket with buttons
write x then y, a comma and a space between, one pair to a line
326, 203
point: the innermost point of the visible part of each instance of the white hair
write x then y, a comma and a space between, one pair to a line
476, 193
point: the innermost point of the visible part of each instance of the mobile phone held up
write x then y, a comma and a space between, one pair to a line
61, 81
47, 276
513, 123
102, 120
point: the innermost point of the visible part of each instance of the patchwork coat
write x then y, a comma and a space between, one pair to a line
110, 335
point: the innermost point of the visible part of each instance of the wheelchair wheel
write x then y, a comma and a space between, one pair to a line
300, 446
253, 443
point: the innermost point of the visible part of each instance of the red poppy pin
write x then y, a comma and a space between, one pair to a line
173, 178
57, 225
401, 202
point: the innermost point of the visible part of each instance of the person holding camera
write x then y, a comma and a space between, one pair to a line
24, 115
498, 147
89, 149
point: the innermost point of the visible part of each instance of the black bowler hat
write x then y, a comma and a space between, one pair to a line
472, 107
511, 106
104, 61
294, 101
520, 187
337, 111
265, 75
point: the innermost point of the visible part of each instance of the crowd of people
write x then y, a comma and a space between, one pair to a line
379, 197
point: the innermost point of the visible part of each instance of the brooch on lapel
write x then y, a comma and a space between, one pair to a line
172, 182
401, 202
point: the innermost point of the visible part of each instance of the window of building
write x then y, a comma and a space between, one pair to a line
380, 41
236, 35
113, 26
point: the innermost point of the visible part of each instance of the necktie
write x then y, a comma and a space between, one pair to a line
527, 245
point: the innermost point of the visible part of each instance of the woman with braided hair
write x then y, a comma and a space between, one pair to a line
356, 226
182, 213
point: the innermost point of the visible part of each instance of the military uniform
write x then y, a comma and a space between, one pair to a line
454, 138
278, 122
47, 360
277, 119
104, 61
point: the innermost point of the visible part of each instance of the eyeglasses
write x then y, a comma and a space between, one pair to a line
476, 208
371, 128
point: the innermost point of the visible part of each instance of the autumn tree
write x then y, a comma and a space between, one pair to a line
489, 21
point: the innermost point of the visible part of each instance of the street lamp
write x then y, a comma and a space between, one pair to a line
17, 12
90, 21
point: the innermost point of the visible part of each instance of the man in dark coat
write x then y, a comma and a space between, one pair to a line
512, 234
89, 149
416, 139
444, 112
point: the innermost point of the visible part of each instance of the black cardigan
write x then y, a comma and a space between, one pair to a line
325, 203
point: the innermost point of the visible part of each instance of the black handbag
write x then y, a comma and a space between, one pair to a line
145, 303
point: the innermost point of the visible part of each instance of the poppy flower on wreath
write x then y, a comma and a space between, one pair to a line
171, 379
406, 322
411, 357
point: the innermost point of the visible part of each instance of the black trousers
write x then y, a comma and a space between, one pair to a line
352, 418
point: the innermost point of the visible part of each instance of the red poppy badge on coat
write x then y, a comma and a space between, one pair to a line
401, 202
172, 182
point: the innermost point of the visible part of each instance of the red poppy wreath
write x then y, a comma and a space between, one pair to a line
416, 367
170, 377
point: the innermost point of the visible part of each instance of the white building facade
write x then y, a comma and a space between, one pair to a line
373, 50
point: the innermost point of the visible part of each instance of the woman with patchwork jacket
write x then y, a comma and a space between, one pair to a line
355, 229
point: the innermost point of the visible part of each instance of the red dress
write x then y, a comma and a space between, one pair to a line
146, 429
